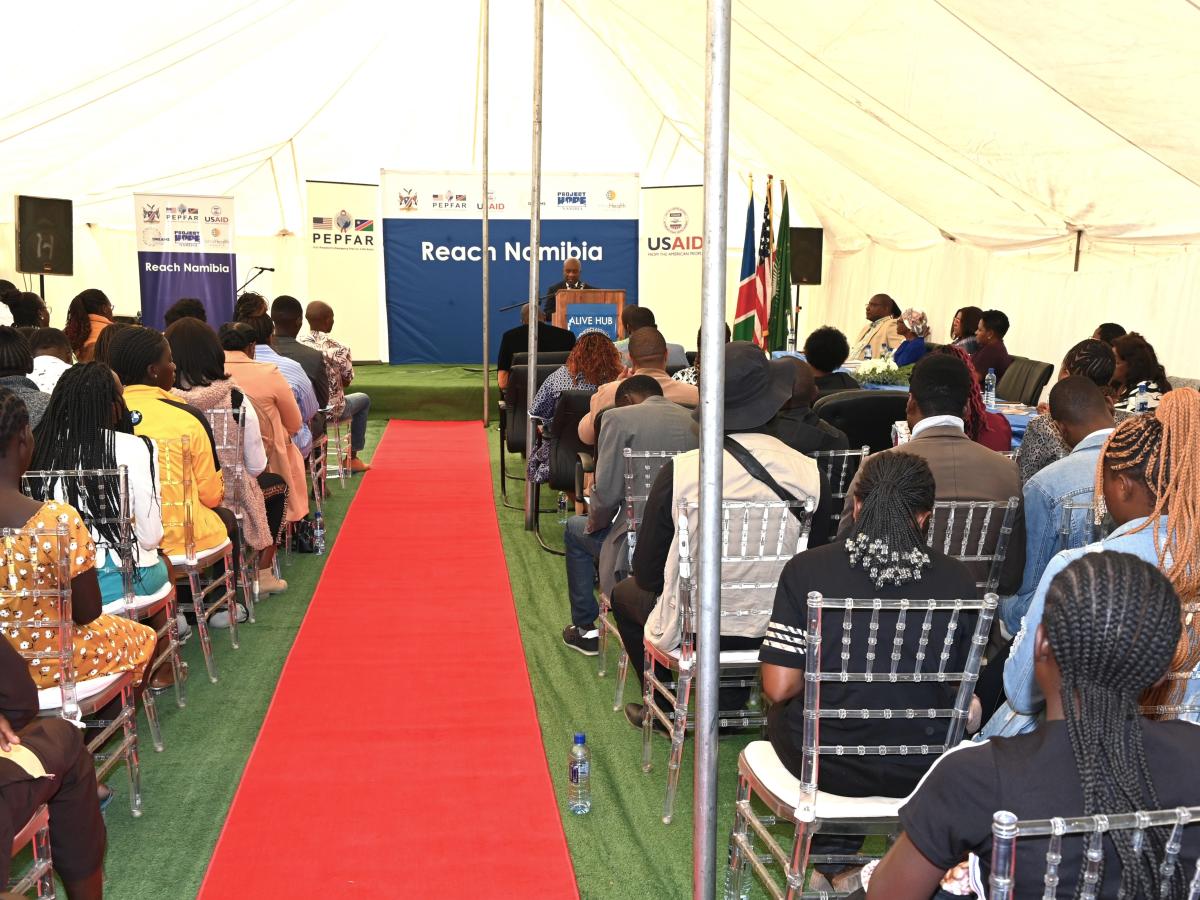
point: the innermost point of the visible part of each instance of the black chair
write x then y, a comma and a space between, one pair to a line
565, 448
514, 409
691, 356
554, 358
673, 370
1024, 380
865, 416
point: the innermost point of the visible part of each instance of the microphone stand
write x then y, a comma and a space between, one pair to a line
260, 270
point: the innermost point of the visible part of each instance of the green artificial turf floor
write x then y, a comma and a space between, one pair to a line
424, 393
187, 789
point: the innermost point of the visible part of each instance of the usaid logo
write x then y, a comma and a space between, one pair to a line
675, 220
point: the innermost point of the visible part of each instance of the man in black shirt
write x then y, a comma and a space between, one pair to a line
571, 282
796, 424
826, 351
516, 340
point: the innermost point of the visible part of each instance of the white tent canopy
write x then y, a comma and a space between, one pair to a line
954, 150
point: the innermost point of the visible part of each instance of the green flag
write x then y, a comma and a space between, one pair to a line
781, 296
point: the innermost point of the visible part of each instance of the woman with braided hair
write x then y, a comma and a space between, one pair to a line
990, 429
1109, 631
1148, 484
88, 315
884, 556
1042, 444
104, 644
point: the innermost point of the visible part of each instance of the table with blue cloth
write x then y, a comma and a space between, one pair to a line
1018, 418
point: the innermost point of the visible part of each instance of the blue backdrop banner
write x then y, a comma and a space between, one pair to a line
433, 278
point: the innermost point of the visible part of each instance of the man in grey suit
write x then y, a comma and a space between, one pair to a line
962, 469
643, 419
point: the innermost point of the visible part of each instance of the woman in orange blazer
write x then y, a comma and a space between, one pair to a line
88, 315
279, 416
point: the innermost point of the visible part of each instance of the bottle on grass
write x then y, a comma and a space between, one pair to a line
579, 773
989, 390
319, 532
562, 508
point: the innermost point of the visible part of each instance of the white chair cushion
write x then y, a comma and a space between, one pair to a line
728, 657
180, 559
51, 698
764, 763
140, 601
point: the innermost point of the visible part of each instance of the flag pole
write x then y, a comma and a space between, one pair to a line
486, 258
535, 234
712, 426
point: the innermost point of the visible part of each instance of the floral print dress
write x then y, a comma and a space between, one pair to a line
104, 646
542, 408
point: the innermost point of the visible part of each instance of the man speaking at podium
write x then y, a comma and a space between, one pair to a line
570, 282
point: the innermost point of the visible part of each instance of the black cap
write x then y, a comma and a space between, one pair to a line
755, 388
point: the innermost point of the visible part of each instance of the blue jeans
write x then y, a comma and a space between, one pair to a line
583, 549
357, 407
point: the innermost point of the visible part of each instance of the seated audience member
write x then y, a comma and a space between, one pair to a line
339, 373
261, 496
939, 390
991, 353
185, 308
516, 340
962, 329
1110, 628
991, 429
646, 603
51, 357
109, 644
279, 416
142, 359
28, 310
249, 305
635, 317
288, 316
691, 375
293, 373
826, 350
69, 788
1108, 332
648, 356
88, 315
913, 327
1156, 511
16, 365
104, 343
1081, 416
643, 419
6, 316
1042, 444
1138, 365
881, 331
594, 361
890, 506
796, 424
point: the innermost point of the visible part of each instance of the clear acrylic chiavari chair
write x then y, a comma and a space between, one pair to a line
800, 801
229, 429
1077, 526
39, 875
66, 485
48, 637
757, 540
1006, 829
840, 467
975, 532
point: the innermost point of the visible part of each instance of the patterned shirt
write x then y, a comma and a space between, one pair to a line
339, 367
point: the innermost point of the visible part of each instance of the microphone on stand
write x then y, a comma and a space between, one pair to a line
521, 303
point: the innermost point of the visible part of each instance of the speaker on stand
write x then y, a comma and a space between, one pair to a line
45, 240
808, 245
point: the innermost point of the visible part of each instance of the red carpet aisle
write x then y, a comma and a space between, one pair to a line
401, 755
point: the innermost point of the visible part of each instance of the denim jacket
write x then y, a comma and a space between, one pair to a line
1069, 480
1025, 703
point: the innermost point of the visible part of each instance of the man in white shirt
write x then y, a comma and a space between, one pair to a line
635, 317
51, 357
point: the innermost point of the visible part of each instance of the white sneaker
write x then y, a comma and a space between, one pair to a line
182, 626
220, 619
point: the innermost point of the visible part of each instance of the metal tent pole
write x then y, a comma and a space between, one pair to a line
486, 258
535, 234
712, 426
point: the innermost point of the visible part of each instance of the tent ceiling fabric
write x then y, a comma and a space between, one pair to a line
1003, 124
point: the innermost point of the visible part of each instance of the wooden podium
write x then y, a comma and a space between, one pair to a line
589, 296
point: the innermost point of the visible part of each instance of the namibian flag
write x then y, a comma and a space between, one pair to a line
364, 224
747, 322
322, 224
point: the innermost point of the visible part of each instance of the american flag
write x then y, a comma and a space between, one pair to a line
322, 223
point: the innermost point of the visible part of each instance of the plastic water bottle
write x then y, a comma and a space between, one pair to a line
319, 532
867, 352
562, 508
1143, 399
579, 768
989, 389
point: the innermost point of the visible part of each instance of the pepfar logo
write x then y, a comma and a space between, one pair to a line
449, 200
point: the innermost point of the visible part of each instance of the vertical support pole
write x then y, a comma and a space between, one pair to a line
1078, 246
535, 235
712, 426
486, 258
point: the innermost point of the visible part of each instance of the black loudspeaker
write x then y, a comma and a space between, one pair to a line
44, 236
807, 245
